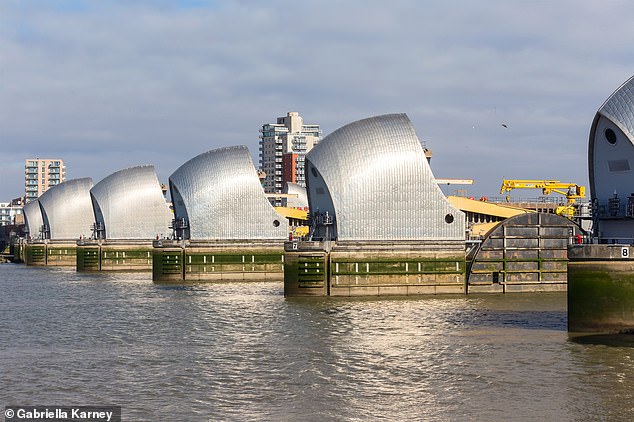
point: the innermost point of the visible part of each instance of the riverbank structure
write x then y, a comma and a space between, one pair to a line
130, 212
224, 227
380, 224
67, 215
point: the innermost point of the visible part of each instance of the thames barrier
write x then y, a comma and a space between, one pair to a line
377, 224
225, 228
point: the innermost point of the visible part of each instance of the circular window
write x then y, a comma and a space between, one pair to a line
449, 219
313, 171
610, 136
276, 223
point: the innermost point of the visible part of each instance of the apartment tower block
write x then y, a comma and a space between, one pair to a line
42, 174
283, 146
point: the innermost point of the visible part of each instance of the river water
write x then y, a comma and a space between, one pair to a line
241, 351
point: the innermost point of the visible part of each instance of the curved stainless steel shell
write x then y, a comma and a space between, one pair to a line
33, 217
67, 209
300, 198
130, 204
219, 194
619, 108
373, 177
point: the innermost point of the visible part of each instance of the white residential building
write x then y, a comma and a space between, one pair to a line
10, 214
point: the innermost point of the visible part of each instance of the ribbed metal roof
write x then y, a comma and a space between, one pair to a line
374, 177
619, 108
33, 219
67, 209
130, 204
219, 194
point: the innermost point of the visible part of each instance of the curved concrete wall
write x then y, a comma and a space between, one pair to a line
33, 219
67, 209
130, 204
219, 194
373, 177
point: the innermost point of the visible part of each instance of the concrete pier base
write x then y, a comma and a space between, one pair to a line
18, 250
174, 261
601, 288
50, 254
373, 268
114, 255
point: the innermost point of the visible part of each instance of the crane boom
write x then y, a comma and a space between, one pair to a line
571, 191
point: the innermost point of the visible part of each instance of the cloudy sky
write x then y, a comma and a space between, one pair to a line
106, 85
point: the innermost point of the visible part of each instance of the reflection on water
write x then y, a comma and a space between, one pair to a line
616, 340
240, 351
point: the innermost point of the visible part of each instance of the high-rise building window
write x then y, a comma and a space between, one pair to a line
40, 174
288, 136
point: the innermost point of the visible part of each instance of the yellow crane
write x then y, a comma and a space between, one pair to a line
571, 191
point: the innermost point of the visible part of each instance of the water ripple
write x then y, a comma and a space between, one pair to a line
241, 351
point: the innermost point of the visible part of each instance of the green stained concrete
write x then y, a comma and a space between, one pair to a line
246, 261
35, 254
305, 274
88, 259
600, 297
372, 270
114, 256
383, 266
51, 254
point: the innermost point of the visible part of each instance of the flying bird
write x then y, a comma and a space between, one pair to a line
504, 125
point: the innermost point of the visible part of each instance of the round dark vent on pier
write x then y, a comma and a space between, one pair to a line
610, 136
449, 218
276, 223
